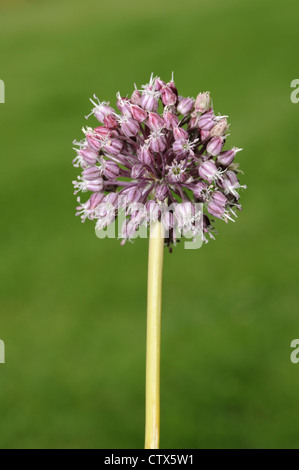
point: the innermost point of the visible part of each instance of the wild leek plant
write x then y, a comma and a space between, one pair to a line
160, 161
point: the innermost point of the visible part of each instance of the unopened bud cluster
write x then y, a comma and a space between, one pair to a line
161, 148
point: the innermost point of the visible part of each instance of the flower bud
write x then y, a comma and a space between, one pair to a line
230, 183
185, 105
123, 105
226, 158
219, 128
208, 170
94, 143
206, 122
102, 132
204, 135
110, 121
172, 86
159, 84
113, 146
216, 210
170, 120
161, 192
129, 126
136, 97
111, 198
101, 110
91, 173
179, 133
193, 123
94, 185
133, 194
95, 199
202, 102
219, 198
111, 170
155, 122
149, 102
157, 142
144, 155
168, 97
214, 146
138, 113
89, 156
200, 191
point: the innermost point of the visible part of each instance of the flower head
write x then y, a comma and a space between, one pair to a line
159, 149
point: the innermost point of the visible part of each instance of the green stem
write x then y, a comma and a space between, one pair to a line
153, 341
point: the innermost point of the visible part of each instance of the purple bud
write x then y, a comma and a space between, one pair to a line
91, 173
95, 185
129, 126
158, 142
138, 113
216, 210
155, 122
94, 144
182, 148
215, 145
170, 120
136, 97
226, 158
112, 199
101, 110
202, 102
185, 105
110, 121
133, 194
204, 135
179, 133
208, 170
161, 192
200, 191
149, 102
89, 156
111, 170
159, 84
123, 105
219, 198
220, 128
206, 122
95, 199
102, 132
230, 183
129, 228
145, 155
168, 97
193, 123
172, 86
113, 146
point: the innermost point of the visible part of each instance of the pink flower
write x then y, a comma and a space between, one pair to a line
141, 156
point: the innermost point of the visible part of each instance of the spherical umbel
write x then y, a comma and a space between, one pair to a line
159, 148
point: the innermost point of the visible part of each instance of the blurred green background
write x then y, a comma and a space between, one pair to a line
73, 307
